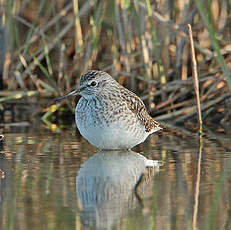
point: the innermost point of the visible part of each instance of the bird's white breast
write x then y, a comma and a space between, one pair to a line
108, 129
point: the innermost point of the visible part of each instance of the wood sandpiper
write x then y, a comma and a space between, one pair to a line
108, 115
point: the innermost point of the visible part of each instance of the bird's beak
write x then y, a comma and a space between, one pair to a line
75, 92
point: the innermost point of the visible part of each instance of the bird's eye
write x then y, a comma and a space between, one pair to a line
93, 83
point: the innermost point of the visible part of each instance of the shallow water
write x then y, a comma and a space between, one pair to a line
59, 181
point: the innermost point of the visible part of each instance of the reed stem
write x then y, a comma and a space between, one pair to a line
195, 76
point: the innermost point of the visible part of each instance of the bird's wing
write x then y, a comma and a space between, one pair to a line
136, 105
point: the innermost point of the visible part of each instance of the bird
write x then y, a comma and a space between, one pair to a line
108, 115
111, 183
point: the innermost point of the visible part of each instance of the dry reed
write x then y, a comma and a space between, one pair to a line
143, 44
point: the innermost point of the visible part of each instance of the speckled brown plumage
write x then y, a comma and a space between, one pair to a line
136, 105
110, 116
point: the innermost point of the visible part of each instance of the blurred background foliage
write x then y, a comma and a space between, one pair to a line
46, 45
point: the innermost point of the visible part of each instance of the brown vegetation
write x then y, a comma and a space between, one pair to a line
144, 44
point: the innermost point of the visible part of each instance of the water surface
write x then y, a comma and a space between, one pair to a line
59, 181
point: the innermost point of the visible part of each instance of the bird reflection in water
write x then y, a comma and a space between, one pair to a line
108, 185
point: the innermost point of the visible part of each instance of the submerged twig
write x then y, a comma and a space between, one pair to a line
197, 188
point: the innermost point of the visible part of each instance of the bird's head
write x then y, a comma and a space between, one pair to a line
92, 83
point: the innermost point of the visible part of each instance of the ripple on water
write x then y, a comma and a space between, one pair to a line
41, 170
